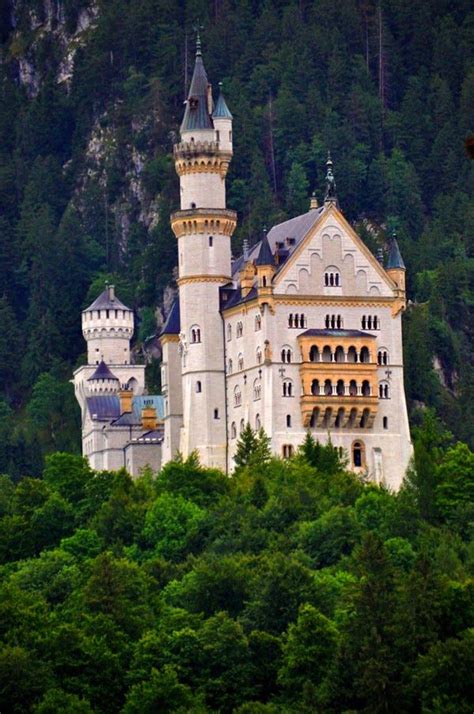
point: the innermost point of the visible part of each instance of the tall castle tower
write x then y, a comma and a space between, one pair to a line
203, 227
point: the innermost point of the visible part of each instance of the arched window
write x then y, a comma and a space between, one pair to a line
237, 396
385, 422
258, 423
363, 322
383, 390
358, 454
352, 354
315, 387
258, 323
264, 281
287, 451
366, 388
365, 355
287, 388
198, 386
382, 357
327, 387
233, 431
286, 354
327, 354
296, 320
242, 426
259, 355
340, 388
353, 388
288, 420
339, 354
239, 329
369, 322
229, 331
314, 354
290, 320
240, 362
195, 334
230, 367
339, 418
327, 322
332, 277
210, 241
365, 418
257, 389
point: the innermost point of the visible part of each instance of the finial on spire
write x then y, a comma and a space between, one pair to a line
197, 29
330, 195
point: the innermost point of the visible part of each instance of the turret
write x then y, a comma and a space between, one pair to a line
395, 266
103, 381
222, 119
265, 267
107, 327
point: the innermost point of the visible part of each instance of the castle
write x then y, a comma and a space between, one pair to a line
302, 332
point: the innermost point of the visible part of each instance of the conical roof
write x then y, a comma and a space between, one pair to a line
196, 114
102, 372
265, 255
221, 110
172, 325
394, 259
107, 300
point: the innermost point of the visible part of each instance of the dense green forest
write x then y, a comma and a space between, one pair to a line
292, 587
91, 95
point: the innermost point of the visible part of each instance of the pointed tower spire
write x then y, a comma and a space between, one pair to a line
196, 114
221, 110
394, 259
265, 255
330, 195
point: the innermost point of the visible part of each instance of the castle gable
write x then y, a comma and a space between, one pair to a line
332, 260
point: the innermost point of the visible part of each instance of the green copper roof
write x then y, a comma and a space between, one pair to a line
394, 259
196, 114
221, 110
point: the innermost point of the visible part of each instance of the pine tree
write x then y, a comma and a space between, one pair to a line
246, 447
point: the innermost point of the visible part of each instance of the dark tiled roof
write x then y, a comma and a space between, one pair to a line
104, 302
237, 299
172, 325
265, 255
196, 115
104, 407
221, 110
134, 418
295, 229
102, 372
336, 333
394, 259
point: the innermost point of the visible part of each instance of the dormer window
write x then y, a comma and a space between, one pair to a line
193, 103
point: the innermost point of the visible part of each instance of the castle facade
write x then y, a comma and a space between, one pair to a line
302, 332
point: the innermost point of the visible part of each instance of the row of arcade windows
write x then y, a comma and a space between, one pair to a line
332, 279
239, 328
233, 426
370, 322
297, 320
333, 322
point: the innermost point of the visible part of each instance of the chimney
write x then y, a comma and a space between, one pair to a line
210, 103
111, 289
126, 397
313, 202
149, 419
246, 248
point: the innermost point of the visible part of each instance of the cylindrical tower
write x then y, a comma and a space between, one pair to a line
107, 327
203, 228
103, 381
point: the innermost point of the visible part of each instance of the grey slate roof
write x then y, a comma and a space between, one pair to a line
313, 332
221, 110
265, 255
104, 407
102, 372
103, 302
172, 325
196, 115
394, 259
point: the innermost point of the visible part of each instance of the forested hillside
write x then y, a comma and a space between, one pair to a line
91, 95
290, 588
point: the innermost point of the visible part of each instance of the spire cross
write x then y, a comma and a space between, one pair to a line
330, 182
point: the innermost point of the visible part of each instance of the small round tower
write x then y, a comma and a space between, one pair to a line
103, 381
107, 327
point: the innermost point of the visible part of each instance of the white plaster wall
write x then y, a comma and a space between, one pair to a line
205, 190
224, 127
172, 392
197, 257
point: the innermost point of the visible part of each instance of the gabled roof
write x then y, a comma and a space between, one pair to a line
265, 255
196, 114
103, 407
134, 418
394, 259
172, 325
221, 110
102, 372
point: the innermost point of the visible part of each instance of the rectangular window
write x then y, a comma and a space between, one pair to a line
216, 413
